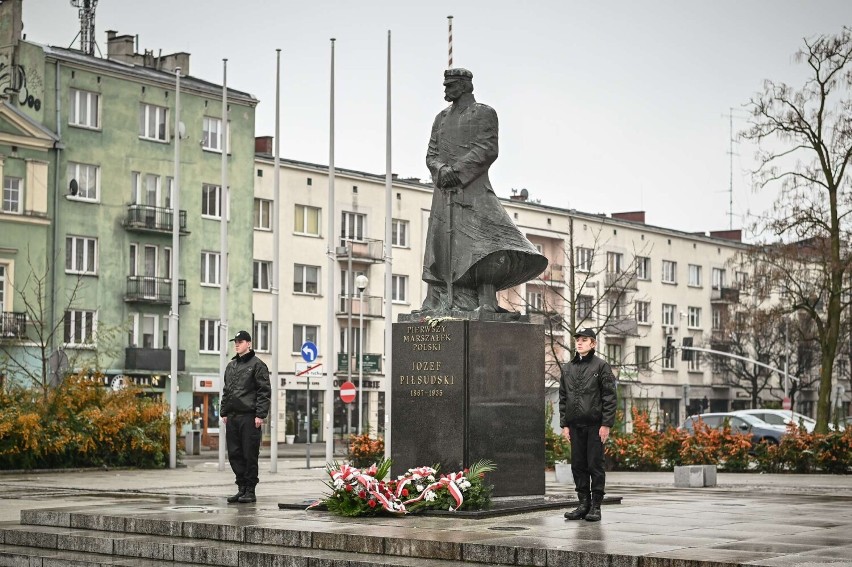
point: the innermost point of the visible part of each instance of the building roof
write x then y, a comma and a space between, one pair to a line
164, 78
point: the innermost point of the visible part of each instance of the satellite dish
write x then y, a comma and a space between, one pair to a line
73, 187
525, 194
182, 130
118, 382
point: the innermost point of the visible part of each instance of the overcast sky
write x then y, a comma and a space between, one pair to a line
604, 106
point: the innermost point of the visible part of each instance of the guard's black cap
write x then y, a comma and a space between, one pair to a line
241, 336
585, 332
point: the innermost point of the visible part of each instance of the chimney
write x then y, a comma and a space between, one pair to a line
11, 24
172, 61
735, 235
120, 47
263, 145
633, 216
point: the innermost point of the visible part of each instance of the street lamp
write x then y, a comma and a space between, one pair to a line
361, 284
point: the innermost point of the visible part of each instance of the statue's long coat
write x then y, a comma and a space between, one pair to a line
466, 139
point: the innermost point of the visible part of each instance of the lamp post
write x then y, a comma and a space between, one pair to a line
361, 283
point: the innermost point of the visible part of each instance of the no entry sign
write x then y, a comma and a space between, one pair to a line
347, 392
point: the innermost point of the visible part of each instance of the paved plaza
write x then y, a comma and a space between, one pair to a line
748, 519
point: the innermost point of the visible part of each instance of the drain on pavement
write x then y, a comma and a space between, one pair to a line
507, 528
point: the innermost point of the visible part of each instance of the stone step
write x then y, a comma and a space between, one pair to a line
53, 546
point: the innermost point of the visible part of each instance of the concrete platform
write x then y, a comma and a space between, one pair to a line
180, 517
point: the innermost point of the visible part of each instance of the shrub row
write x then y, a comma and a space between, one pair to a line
646, 449
82, 424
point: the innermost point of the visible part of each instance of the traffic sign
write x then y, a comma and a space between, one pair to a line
309, 351
786, 403
307, 369
347, 392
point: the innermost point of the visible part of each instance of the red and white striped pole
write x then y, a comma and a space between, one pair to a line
450, 52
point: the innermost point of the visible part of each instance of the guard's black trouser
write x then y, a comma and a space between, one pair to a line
243, 440
587, 459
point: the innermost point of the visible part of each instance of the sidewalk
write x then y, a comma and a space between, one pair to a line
770, 520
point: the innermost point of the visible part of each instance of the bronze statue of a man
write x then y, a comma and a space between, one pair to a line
473, 249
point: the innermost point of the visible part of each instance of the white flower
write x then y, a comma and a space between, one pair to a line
338, 483
450, 508
419, 487
431, 478
429, 496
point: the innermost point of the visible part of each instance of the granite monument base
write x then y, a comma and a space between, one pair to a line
468, 390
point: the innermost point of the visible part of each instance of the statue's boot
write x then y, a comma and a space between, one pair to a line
487, 297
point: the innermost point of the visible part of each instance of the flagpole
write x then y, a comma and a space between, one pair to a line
388, 262
276, 275
173, 315
450, 42
328, 398
223, 254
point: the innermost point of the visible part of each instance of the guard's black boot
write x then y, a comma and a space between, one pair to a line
236, 497
248, 496
594, 514
581, 510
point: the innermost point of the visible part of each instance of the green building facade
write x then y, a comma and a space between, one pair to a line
101, 177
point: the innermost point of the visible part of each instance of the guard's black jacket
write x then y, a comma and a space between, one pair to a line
247, 388
587, 392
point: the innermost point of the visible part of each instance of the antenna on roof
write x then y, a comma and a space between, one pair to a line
87, 24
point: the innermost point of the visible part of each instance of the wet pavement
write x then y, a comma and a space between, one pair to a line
771, 520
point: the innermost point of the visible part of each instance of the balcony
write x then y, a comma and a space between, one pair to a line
152, 359
618, 281
145, 218
364, 250
724, 295
144, 289
371, 306
553, 275
13, 326
625, 327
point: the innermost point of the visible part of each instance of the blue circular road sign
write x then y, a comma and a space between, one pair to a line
309, 351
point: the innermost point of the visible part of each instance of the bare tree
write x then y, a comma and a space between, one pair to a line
805, 140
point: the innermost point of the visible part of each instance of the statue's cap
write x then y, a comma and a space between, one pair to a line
457, 73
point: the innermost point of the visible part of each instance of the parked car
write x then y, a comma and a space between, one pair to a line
759, 430
780, 417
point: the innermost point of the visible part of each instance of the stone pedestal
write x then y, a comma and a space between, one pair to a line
469, 390
695, 476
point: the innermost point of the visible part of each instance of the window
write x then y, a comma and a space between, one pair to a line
694, 275
669, 272
79, 327
668, 362
669, 314
614, 262
742, 279
86, 176
263, 214
399, 233
262, 276
261, 336
2, 288
81, 255
304, 333
352, 227
643, 357
306, 279
693, 317
716, 315
613, 353
152, 122
134, 250
210, 268
211, 201
12, 197
694, 364
584, 307
209, 336
356, 341
718, 275
399, 291
643, 268
84, 109
211, 134
307, 220
643, 310
615, 308
584, 259
535, 300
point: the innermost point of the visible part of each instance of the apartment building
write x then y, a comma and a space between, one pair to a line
87, 147
639, 285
